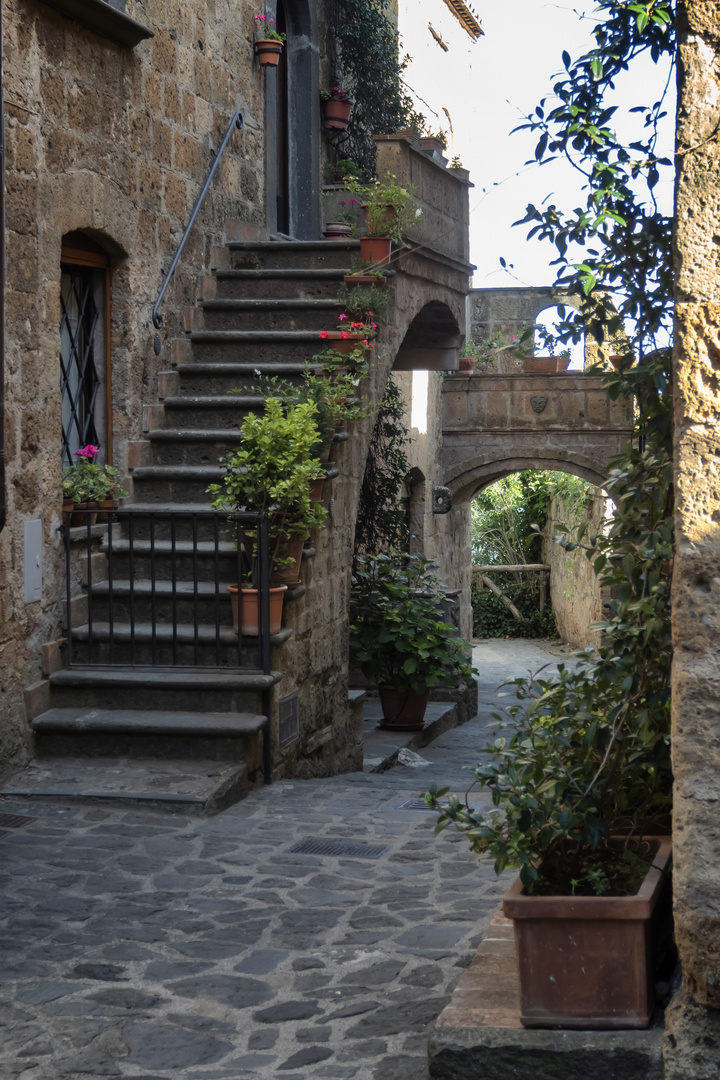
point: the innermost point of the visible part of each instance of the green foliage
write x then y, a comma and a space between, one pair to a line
87, 481
399, 636
271, 470
381, 515
592, 745
363, 301
365, 50
390, 209
343, 169
492, 619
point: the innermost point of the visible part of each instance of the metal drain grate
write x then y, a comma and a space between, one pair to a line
14, 821
350, 849
409, 802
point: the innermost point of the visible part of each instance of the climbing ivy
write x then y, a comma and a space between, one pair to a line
381, 522
365, 49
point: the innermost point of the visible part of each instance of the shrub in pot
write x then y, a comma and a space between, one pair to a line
89, 485
586, 774
270, 471
399, 636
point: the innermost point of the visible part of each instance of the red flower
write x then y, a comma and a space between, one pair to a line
324, 334
344, 334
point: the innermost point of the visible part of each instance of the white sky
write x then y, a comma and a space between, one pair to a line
488, 86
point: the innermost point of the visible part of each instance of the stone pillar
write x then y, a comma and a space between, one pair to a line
693, 1033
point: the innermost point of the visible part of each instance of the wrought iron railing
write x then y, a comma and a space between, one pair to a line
156, 589
236, 122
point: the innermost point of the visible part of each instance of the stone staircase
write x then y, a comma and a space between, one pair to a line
173, 729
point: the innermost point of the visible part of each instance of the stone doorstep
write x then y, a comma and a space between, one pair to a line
479, 1036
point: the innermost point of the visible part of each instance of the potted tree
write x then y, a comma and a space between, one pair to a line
581, 793
400, 638
270, 472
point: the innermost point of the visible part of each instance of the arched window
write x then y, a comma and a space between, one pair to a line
85, 348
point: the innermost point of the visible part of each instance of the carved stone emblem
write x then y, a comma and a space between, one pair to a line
442, 500
538, 403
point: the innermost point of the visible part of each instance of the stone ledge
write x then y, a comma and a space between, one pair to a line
103, 19
478, 1036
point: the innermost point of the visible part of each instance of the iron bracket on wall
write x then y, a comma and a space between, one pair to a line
236, 122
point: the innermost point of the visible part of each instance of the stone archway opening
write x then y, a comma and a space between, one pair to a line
431, 342
523, 583
546, 328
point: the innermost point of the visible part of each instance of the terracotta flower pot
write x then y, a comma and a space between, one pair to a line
316, 489
251, 609
78, 517
268, 52
563, 363
104, 509
286, 549
337, 114
343, 345
375, 249
540, 365
466, 363
585, 961
402, 711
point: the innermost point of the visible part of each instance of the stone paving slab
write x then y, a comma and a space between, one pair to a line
139, 944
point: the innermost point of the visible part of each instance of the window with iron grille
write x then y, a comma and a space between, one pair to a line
85, 348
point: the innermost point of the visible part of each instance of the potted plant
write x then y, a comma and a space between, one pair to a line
582, 789
343, 170
336, 108
270, 472
390, 210
350, 337
364, 303
400, 638
364, 273
557, 358
345, 226
87, 485
434, 143
269, 44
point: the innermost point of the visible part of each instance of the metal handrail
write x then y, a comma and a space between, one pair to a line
237, 121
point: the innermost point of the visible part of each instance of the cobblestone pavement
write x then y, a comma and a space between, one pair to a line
138, 944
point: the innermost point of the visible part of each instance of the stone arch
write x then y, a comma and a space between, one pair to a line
302, 56
431, 341
480, 472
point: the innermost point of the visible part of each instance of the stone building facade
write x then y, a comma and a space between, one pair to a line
113, 117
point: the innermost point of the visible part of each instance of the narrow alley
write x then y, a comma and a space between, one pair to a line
155, 946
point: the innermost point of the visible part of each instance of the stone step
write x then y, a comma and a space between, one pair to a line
304, 284
279, 254
175, 481
192, 446
198, 379
183, 786
255, 346
211, 411
164, 689
139, 734
132, 644
276, 314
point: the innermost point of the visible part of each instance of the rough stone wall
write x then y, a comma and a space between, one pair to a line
693, 1041
114, 142
574, 588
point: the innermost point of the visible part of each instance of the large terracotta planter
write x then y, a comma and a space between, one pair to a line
540, 365
337, 114
251, 609
585, 961
375, 249
402, 711
268, 52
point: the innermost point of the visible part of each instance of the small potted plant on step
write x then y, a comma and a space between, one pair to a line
270, 472
390, 210
400, 638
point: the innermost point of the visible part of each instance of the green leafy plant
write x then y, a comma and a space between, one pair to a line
270, 472
398, 635
381, 523
363, 45
266, 29
342, 170
88, 481
364, 302
390, 209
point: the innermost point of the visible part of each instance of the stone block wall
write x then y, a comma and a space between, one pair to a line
574, 589
693, 1031
114, 142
